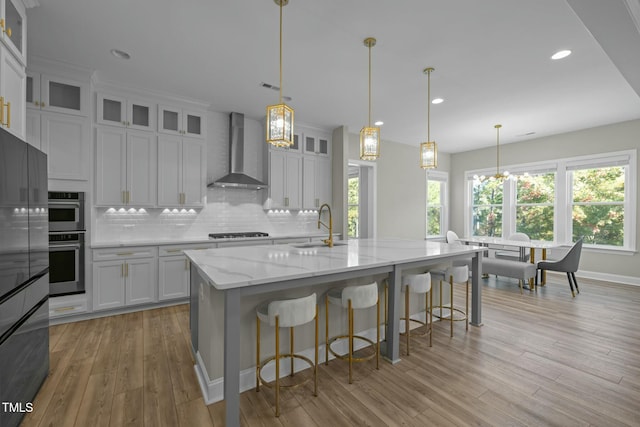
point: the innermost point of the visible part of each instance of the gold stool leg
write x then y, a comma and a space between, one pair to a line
277, 366
466, 313
440, 319
350, 341
326, 331
378, 334
291, 347
406, 315
430, 293
257, 353
451, 303
315, 365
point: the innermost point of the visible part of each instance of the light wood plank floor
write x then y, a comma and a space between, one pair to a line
540, 359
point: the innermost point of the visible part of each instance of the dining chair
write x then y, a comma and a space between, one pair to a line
568, 264
511, 254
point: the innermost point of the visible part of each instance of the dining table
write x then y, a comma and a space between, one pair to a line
522, 246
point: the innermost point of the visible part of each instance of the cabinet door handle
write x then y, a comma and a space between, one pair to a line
128, 196
8, 113
7, 30
286, 201
2, 110
124, 254
42, 103
36, 103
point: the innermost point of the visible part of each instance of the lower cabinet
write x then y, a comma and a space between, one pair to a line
124, 277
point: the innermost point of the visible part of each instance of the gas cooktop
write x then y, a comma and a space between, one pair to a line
237, 235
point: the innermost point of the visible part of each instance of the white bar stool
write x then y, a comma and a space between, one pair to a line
417, 284
455, 274
353, 298
286, 314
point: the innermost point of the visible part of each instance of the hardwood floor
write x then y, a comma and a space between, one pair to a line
540, 359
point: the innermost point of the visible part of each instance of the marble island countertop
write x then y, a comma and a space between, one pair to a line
160, 241
228, 268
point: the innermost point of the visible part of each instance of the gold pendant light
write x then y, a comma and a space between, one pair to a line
428, 149
369, 135
280, 116
500, 176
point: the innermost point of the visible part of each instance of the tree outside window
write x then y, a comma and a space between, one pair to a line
535, 197
486, 209
598, 205
353, 206
434, 208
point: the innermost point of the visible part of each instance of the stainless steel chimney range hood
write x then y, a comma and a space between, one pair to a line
236, 178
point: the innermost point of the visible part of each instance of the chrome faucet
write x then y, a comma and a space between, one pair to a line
329, 241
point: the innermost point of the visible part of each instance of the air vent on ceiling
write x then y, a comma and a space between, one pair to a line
276, 88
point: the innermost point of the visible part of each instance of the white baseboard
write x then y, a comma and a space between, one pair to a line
213, 390
607, 277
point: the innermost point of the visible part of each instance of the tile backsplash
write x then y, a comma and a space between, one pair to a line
225, 210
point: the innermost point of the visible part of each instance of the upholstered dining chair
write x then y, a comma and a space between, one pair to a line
568, 264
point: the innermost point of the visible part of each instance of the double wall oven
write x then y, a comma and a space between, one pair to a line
66, 243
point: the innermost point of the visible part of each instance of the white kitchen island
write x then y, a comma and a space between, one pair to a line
227, 283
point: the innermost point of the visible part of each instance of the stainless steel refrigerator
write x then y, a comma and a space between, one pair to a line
24, 277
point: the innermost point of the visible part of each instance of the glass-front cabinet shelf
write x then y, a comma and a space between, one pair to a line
125, 112
177, 121
13, 22
51, 93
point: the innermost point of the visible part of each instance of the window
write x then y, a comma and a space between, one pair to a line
353, 203
486, 209
535, 196
597, 208
560, 200
436, 209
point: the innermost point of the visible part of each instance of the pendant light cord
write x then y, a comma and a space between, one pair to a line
281, 4
429, 105
369, 84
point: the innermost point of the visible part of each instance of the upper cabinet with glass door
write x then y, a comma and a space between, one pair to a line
13, 23
177, 121
126, 112
51, 93
316, 143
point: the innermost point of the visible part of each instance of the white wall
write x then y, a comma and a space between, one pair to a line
402, 189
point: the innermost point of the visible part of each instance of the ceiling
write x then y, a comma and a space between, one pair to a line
491, 58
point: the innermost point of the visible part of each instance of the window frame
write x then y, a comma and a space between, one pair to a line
563, 202
443, 179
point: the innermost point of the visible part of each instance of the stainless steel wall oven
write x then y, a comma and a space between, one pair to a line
66, 243
66, 211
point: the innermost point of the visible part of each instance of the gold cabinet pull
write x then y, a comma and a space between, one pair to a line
128, 196
63, 309
124, 253
2, 110
286, 201
2, 25
8, 114
173, 250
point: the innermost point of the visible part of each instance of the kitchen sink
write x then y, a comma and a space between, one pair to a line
318, 244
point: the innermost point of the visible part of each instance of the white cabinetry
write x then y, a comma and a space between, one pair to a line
123, 277
285, 180
173, 271
63, 138
13, 24
12, 89
181, 172
316, 181
51, 93
177, 121
125, 167
125, 112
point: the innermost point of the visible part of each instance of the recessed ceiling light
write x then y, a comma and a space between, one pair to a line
437, 101
561, 54
379, 123
120, 54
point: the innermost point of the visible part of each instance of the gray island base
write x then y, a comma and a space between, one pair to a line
228, 283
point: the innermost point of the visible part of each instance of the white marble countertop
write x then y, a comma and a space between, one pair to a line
229, 268
205, 239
